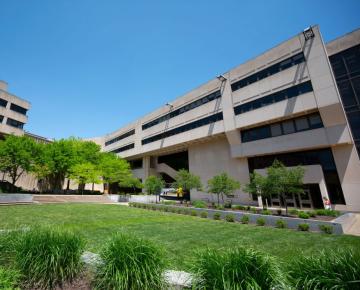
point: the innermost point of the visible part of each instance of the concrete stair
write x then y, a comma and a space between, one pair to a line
55, 198
164, 168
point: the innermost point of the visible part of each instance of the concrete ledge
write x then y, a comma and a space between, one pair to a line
9, 198
292, 223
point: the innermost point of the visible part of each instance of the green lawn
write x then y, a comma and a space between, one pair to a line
180, 235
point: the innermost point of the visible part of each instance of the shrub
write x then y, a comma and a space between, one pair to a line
303, 215
327, 229
173, 209
279, 211
130, 263
166, 209
327, 212
293, 211
244, 219
227, 204
236, 268
9, 279
303, 227
266, 212
204, 214
199, 204
217, 216
47, 257
260, 221
179, 210
254, 210
281, 224
239, 207
311, 213
220, 207
169, 202
194, 213
230, 218
327, 270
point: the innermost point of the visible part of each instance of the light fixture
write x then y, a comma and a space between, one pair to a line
308, 33
169, 105
221, 78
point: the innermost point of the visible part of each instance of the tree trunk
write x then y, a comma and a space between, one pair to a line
218, 199
92, 189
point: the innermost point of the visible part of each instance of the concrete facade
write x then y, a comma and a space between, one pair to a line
12, 112
212, 131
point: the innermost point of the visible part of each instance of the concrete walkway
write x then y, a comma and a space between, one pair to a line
354, 229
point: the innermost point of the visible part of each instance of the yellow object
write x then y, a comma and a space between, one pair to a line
179, 192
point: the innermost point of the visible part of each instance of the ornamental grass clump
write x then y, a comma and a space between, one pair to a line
8, 242
237, 268
47, 257
327, 270
230, 218
245, 219
204, 214
130, 263
9, 279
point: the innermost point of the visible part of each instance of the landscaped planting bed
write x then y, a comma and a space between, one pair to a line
253, 216
182, 242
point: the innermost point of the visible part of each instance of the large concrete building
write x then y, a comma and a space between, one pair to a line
283, 104
12, 112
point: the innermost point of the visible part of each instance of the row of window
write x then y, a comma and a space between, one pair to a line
183, 109
274, 69
14, 123
299, 124
118, 138
13, 107
274, 98
187, 127
124, 148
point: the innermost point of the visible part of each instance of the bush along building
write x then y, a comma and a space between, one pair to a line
298, 102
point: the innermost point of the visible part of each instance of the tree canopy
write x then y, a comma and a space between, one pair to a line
187, 181
222, 184
154, 185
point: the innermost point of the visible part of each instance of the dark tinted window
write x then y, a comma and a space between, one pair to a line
274, 98
136, 163
308, 122
285, 64
183, 109
18, 109
1, 119
124, 148
118, 138
14, 123
187, 127
3, 103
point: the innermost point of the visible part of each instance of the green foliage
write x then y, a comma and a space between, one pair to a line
230, 218
303, 227
327, 229
238, 207
8, 243
303, 215
131, 182
244, 219
17, 155
217, 216
83, 173
130, 263
260, 221
194, 213
221, 185
281, 224
219, 207
9, 279
199, 204
258, 185
327, 270
204, 214
282, 180
47, 257
311, 213
153, 185
237, 268
327, 212
266, 212
187, 181
168, 202
115, 169
294, 211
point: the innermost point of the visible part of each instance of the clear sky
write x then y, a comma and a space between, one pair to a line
89, 67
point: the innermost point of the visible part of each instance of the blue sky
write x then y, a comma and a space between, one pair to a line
89, 67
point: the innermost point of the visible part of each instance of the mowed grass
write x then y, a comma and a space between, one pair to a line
180, 235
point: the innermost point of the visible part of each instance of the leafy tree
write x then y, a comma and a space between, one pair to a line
221, 185
258, 185
187, 181
153, 185
113, 168
282, 181
84, 173
17, 155
132, 182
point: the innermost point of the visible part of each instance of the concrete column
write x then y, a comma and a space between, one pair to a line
146, 168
